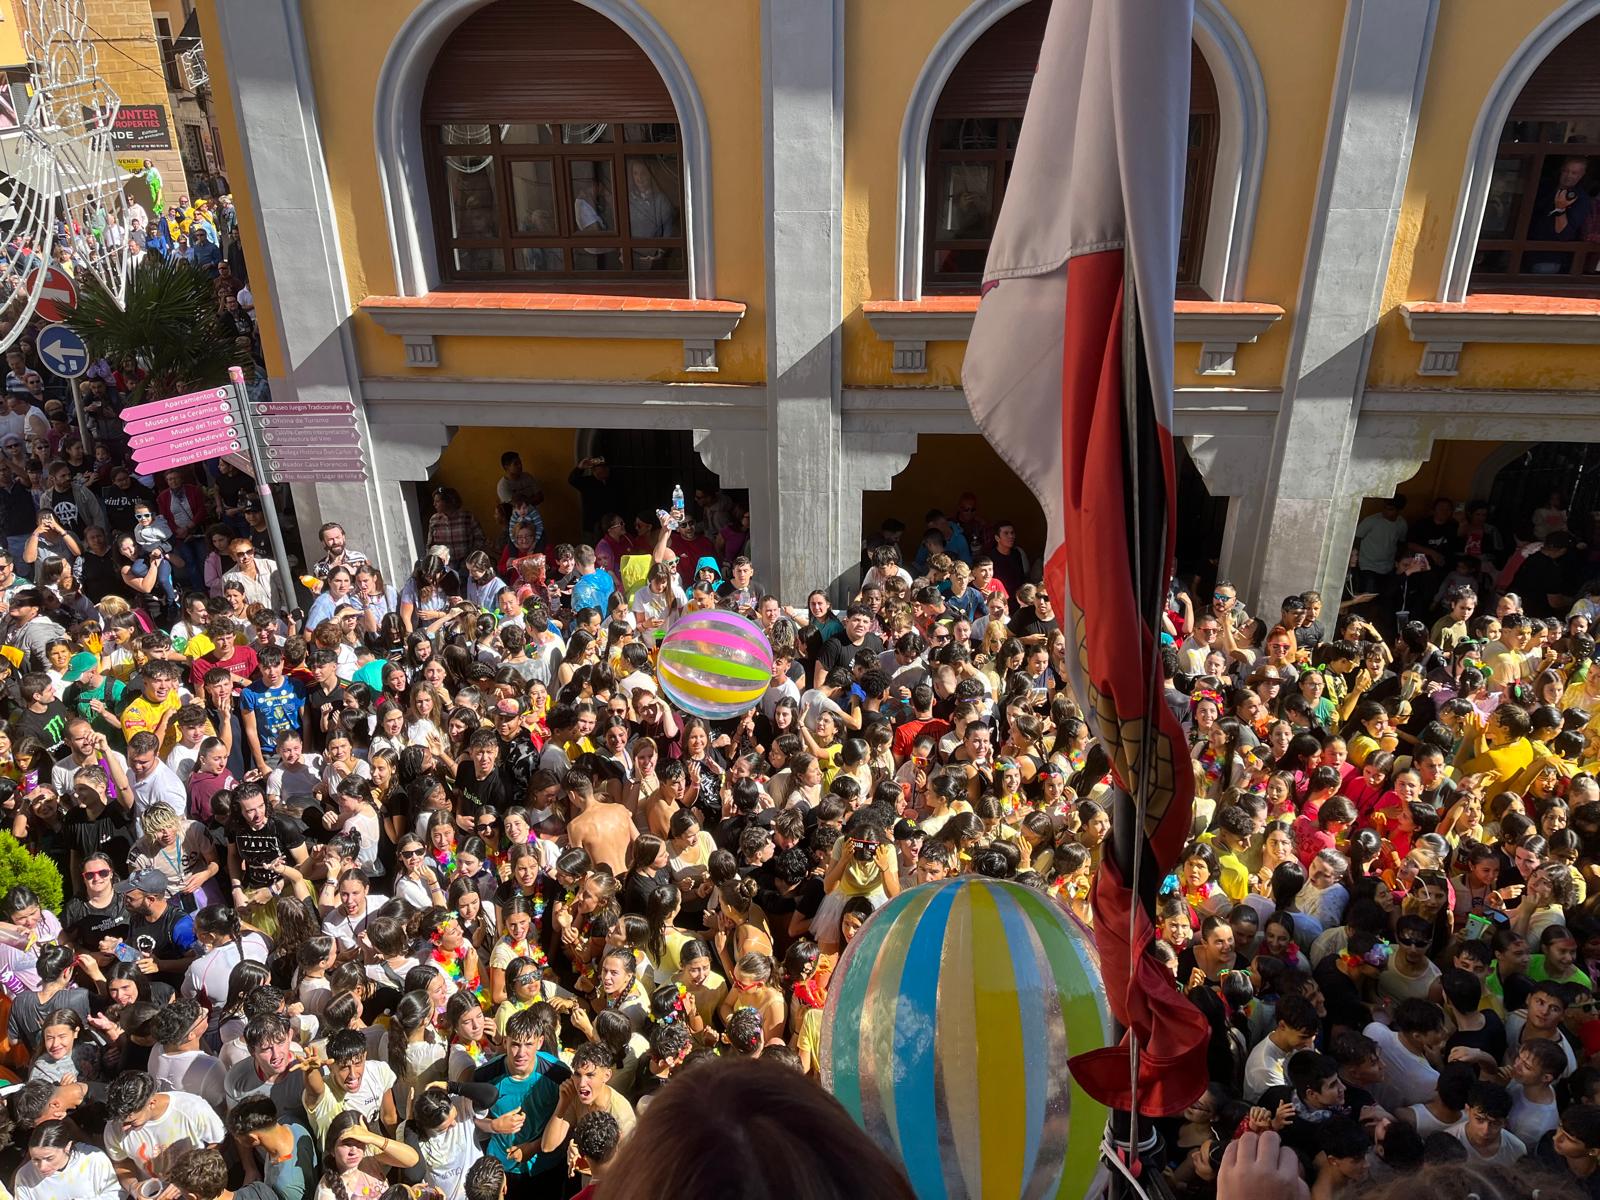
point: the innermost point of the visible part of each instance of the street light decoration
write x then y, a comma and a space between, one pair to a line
78, 109
59, 180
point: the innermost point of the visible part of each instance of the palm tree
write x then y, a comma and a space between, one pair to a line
169, 323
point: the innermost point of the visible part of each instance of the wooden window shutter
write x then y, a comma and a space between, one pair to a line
1567, 83
994, 76
542, 60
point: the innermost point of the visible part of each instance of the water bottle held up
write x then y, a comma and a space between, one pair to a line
677, 500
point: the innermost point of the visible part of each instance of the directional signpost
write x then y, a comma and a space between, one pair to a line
294, 442
181, 430
66, 356
63, 352
309, 442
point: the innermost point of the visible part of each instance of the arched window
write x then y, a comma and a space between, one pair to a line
973, 137
1541, 225
553, 154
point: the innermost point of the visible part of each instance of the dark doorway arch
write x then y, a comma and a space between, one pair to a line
1525, 483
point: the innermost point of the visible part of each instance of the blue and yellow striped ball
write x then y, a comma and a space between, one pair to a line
949, 1023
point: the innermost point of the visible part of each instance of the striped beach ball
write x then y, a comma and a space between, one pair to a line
949, 1023
714, 664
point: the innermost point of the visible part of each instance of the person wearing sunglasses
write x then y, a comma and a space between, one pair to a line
1409, 974
97, 911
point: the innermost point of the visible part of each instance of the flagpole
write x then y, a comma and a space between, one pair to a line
1135, 1148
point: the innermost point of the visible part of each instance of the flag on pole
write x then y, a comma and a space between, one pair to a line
1069, 376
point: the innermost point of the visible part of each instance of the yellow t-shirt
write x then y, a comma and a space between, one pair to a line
143, 716
1361, 745
808, 1038
860, 878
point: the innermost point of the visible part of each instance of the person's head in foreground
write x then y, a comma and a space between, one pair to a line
747, 1128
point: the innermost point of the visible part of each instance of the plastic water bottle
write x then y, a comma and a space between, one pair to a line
677, 499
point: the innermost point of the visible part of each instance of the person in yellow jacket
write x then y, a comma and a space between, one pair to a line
1501, 745
1540, 735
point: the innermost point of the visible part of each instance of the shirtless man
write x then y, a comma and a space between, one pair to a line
602, 828
657, 809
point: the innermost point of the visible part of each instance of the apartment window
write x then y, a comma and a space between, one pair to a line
1541, 226
554, 154
169, 62
973, 140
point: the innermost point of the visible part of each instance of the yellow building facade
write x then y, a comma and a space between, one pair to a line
741, 236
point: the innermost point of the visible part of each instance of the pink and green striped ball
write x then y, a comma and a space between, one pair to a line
949, 1023
714, 664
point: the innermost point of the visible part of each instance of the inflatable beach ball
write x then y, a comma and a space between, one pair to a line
949, 1023
714, 664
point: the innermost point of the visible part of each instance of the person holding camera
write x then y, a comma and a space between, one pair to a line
49, 540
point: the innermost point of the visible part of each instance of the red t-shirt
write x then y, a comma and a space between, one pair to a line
241, 662
908, 733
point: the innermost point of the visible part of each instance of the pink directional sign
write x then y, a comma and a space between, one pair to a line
214, 423
182, 444
182, 416
171, 404
169, 458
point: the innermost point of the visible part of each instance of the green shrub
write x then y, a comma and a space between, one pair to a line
35, 871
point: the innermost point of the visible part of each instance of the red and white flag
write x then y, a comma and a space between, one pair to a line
1071, 382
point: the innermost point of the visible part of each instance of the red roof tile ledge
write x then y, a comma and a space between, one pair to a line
1446, 327
421, 319
1219, 326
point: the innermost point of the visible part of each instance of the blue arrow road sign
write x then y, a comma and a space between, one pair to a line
63, 352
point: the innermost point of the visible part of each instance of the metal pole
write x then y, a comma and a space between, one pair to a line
263, 485
83, 422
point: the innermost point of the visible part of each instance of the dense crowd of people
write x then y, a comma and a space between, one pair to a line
427, 884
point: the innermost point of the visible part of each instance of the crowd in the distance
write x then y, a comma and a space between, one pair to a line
428, 885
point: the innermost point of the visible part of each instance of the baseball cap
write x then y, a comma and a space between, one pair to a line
151, 882
249, 504
82, 663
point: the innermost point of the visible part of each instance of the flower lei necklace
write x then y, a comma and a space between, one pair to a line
446, 859
453, 962
527, 948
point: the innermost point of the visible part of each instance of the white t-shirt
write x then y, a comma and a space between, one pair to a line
1511, 1151
1408, 1078
1530, 1121
191, 1071
65, 773
346, 929
88, 1175
206, 980
182, 759
243, 1081
367, 1099
1264, 1068
291, 783
188, 1124
1515, 1023
161, 785
447, 1156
